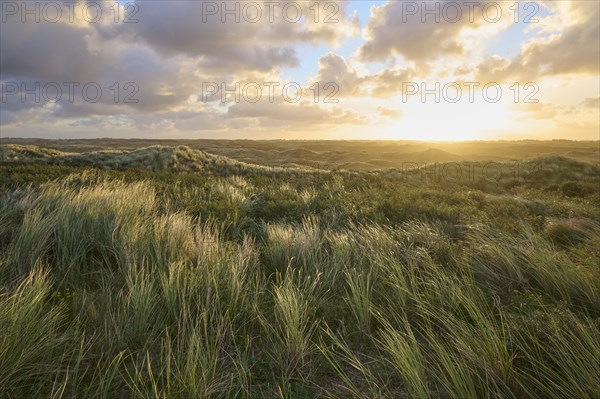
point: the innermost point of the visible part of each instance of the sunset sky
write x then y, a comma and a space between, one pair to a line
158, 65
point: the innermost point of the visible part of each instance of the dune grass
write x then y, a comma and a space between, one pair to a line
178, 286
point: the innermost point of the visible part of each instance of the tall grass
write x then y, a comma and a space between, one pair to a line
291, 328
32, 339
114, 288
406, 356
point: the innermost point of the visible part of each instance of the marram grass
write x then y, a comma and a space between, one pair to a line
125, 285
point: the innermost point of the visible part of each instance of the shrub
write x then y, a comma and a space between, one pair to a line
564, 234
574, 189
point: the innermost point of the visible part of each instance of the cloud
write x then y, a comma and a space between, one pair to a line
582, 117
573, 50
167, 53
407, 29
232, 36
48, 51
591, 103
173, 49
389, 113
335, 68
544, 111
296, 116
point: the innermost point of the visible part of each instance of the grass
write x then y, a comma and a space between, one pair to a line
173, 282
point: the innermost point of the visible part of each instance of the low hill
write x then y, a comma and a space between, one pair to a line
156, 158
341, 154
568, 176
17, 152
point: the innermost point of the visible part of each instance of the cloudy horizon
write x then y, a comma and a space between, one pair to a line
402, 70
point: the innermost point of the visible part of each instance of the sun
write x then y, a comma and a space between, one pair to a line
443, 121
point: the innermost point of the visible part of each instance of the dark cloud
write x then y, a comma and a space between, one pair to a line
157, 62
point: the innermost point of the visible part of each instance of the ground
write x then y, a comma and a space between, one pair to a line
137, 268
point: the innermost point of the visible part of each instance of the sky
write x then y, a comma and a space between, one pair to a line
401, 70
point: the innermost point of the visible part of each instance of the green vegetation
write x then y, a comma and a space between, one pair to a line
349, 155
169, 272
